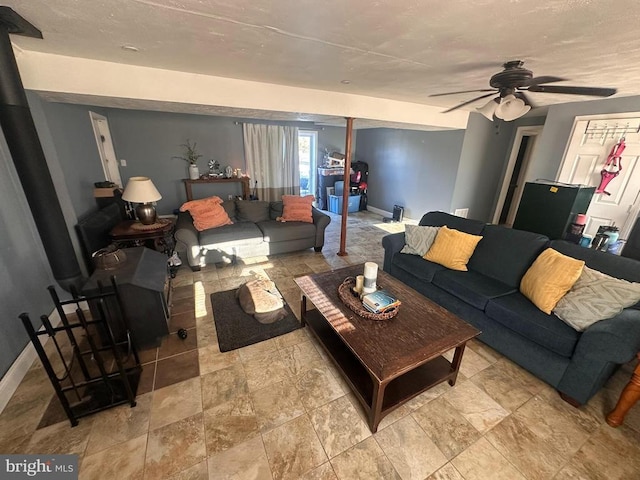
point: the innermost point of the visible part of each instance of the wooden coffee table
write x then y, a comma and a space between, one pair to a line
386, 363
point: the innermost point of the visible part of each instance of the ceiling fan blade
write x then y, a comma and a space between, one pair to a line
469, 101
593, 91
526, 98
542, 79
464, 91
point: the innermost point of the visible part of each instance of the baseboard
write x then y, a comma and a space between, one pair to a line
379, 211
386, 214
22, 364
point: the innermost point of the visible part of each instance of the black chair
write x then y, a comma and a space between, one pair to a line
93, 230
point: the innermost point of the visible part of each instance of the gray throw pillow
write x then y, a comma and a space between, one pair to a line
230, 207
275, 210
418, 240
252, 211
594, 297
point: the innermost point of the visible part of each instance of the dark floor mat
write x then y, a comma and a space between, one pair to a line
236, 329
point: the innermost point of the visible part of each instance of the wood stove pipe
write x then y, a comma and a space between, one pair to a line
26, 151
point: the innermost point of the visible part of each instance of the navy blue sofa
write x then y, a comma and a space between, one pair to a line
577, 364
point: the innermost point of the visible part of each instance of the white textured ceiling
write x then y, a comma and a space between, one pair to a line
397, 49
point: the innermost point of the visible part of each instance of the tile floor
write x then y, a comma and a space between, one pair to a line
279, 409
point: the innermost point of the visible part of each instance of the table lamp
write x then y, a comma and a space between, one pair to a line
142, 190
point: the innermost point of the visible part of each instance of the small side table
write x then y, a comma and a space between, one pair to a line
159, 236
628, 398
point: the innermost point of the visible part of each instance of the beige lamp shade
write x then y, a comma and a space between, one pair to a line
490, 108
141, 190
511, 108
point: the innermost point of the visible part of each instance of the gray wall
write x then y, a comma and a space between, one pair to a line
483, 160
72, 174
148, 141
75, 146
333, 139
25, 270
411, 168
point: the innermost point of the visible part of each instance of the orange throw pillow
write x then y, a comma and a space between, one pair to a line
207, 213
200, 204
296, 209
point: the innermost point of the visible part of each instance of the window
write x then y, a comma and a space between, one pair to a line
307, 152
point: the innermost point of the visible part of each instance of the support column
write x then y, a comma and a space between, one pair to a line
347, 189
28, 157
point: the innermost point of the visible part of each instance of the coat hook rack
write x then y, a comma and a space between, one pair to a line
612, 130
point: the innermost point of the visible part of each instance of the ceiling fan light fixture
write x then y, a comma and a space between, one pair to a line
514, 83
511, 108
489, 109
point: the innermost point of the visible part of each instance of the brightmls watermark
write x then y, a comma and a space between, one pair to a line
49, 467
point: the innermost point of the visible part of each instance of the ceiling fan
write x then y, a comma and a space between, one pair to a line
512, 85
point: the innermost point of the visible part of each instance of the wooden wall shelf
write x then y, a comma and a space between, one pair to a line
244, 181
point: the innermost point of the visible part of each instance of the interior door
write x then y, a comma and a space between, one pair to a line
583, 163
105, 148
516, 185
524, 143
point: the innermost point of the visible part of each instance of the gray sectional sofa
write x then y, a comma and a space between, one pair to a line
576, 363
255, 232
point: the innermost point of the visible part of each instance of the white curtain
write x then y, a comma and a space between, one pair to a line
271, 155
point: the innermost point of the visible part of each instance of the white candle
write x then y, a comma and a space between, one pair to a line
370, 277
359, 283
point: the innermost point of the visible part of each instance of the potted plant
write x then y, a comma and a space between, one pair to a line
191, 156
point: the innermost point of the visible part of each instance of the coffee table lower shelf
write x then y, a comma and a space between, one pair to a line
380, 397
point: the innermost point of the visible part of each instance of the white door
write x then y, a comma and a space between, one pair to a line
586, 157
105, 148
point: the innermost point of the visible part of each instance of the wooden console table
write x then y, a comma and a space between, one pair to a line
125, 234
244, 181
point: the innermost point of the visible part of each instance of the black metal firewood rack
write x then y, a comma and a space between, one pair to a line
98, 371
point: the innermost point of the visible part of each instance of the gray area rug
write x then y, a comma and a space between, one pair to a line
237, 329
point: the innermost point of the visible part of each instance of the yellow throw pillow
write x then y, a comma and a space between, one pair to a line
549, 278
452, 249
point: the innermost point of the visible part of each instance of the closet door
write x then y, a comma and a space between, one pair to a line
586, 157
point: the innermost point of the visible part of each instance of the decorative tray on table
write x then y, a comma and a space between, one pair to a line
352, 300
